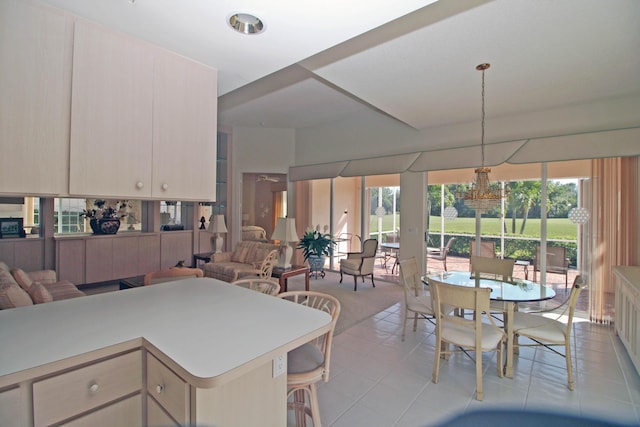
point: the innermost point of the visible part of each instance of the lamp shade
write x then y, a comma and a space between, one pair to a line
285, 230
217, 224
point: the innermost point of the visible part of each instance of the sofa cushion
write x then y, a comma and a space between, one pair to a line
12, 295
240, 254
6, 278
22, 278
63, 289
39, 294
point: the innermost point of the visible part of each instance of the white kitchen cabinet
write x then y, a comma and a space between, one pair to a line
35, 95
143, 120
184, 129
80, 390
111, 112
628, 310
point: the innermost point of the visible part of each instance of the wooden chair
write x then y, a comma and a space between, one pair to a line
465, 334
170, 274
442, 255
548, 332
265, 286
309, 363
417, 300
557, 262
360, 264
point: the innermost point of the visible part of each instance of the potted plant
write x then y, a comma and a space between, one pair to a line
316, 245
105, 217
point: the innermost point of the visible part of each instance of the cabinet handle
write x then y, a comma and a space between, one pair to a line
93, 388
139, 185
165, 186
159, 388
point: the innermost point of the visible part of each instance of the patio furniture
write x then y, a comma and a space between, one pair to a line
557, 262
442, 254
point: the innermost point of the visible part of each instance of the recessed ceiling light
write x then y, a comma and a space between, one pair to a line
246, 23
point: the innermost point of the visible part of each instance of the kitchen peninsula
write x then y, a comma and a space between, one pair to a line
196, 351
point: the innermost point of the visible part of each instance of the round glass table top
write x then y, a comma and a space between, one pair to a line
517, 291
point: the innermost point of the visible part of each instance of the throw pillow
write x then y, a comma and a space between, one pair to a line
39, 294
240, 254
12, 295
22, 278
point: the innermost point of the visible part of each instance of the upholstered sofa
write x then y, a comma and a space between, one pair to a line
18, 288
245, 260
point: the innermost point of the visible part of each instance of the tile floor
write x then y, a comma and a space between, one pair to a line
378, 380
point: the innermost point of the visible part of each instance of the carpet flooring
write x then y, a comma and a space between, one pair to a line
356, 306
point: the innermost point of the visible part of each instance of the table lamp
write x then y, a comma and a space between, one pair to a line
285, 232
217, 226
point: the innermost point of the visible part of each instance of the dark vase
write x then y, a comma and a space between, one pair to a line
105, 225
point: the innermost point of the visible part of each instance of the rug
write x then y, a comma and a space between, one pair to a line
356, 306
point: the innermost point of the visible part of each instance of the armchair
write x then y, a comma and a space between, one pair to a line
360, 264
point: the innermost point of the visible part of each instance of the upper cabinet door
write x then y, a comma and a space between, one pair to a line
35, 86
184, 129
111, 114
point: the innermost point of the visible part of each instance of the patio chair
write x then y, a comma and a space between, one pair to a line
442, 255
557, 262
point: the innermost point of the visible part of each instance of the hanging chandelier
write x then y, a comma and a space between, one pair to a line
482, 196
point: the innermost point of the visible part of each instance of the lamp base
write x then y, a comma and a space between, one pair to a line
284, 256
219, 241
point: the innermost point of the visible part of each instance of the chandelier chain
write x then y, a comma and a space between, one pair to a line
482, 135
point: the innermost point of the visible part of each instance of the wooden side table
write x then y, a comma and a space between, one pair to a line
205, 256
283, 275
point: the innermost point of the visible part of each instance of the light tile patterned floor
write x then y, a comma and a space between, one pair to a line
379, 380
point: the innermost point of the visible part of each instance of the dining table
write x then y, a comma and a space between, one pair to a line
510, 293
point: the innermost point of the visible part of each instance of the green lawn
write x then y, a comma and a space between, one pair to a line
557, 228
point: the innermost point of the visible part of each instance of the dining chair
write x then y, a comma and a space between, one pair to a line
309, 363
493, 268
417, 300
442, 255
557, 262
169, 274
465, 334
266, 268
551, 331
360, 264
265, 286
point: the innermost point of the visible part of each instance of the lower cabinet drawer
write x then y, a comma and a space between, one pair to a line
71, 393
126, 412
168, 389
157, 417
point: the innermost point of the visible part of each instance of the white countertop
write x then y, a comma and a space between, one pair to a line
207, 326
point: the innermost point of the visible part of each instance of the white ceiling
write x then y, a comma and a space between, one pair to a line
413, 60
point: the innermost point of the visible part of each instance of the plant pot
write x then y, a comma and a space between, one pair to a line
316, 264
105, 225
